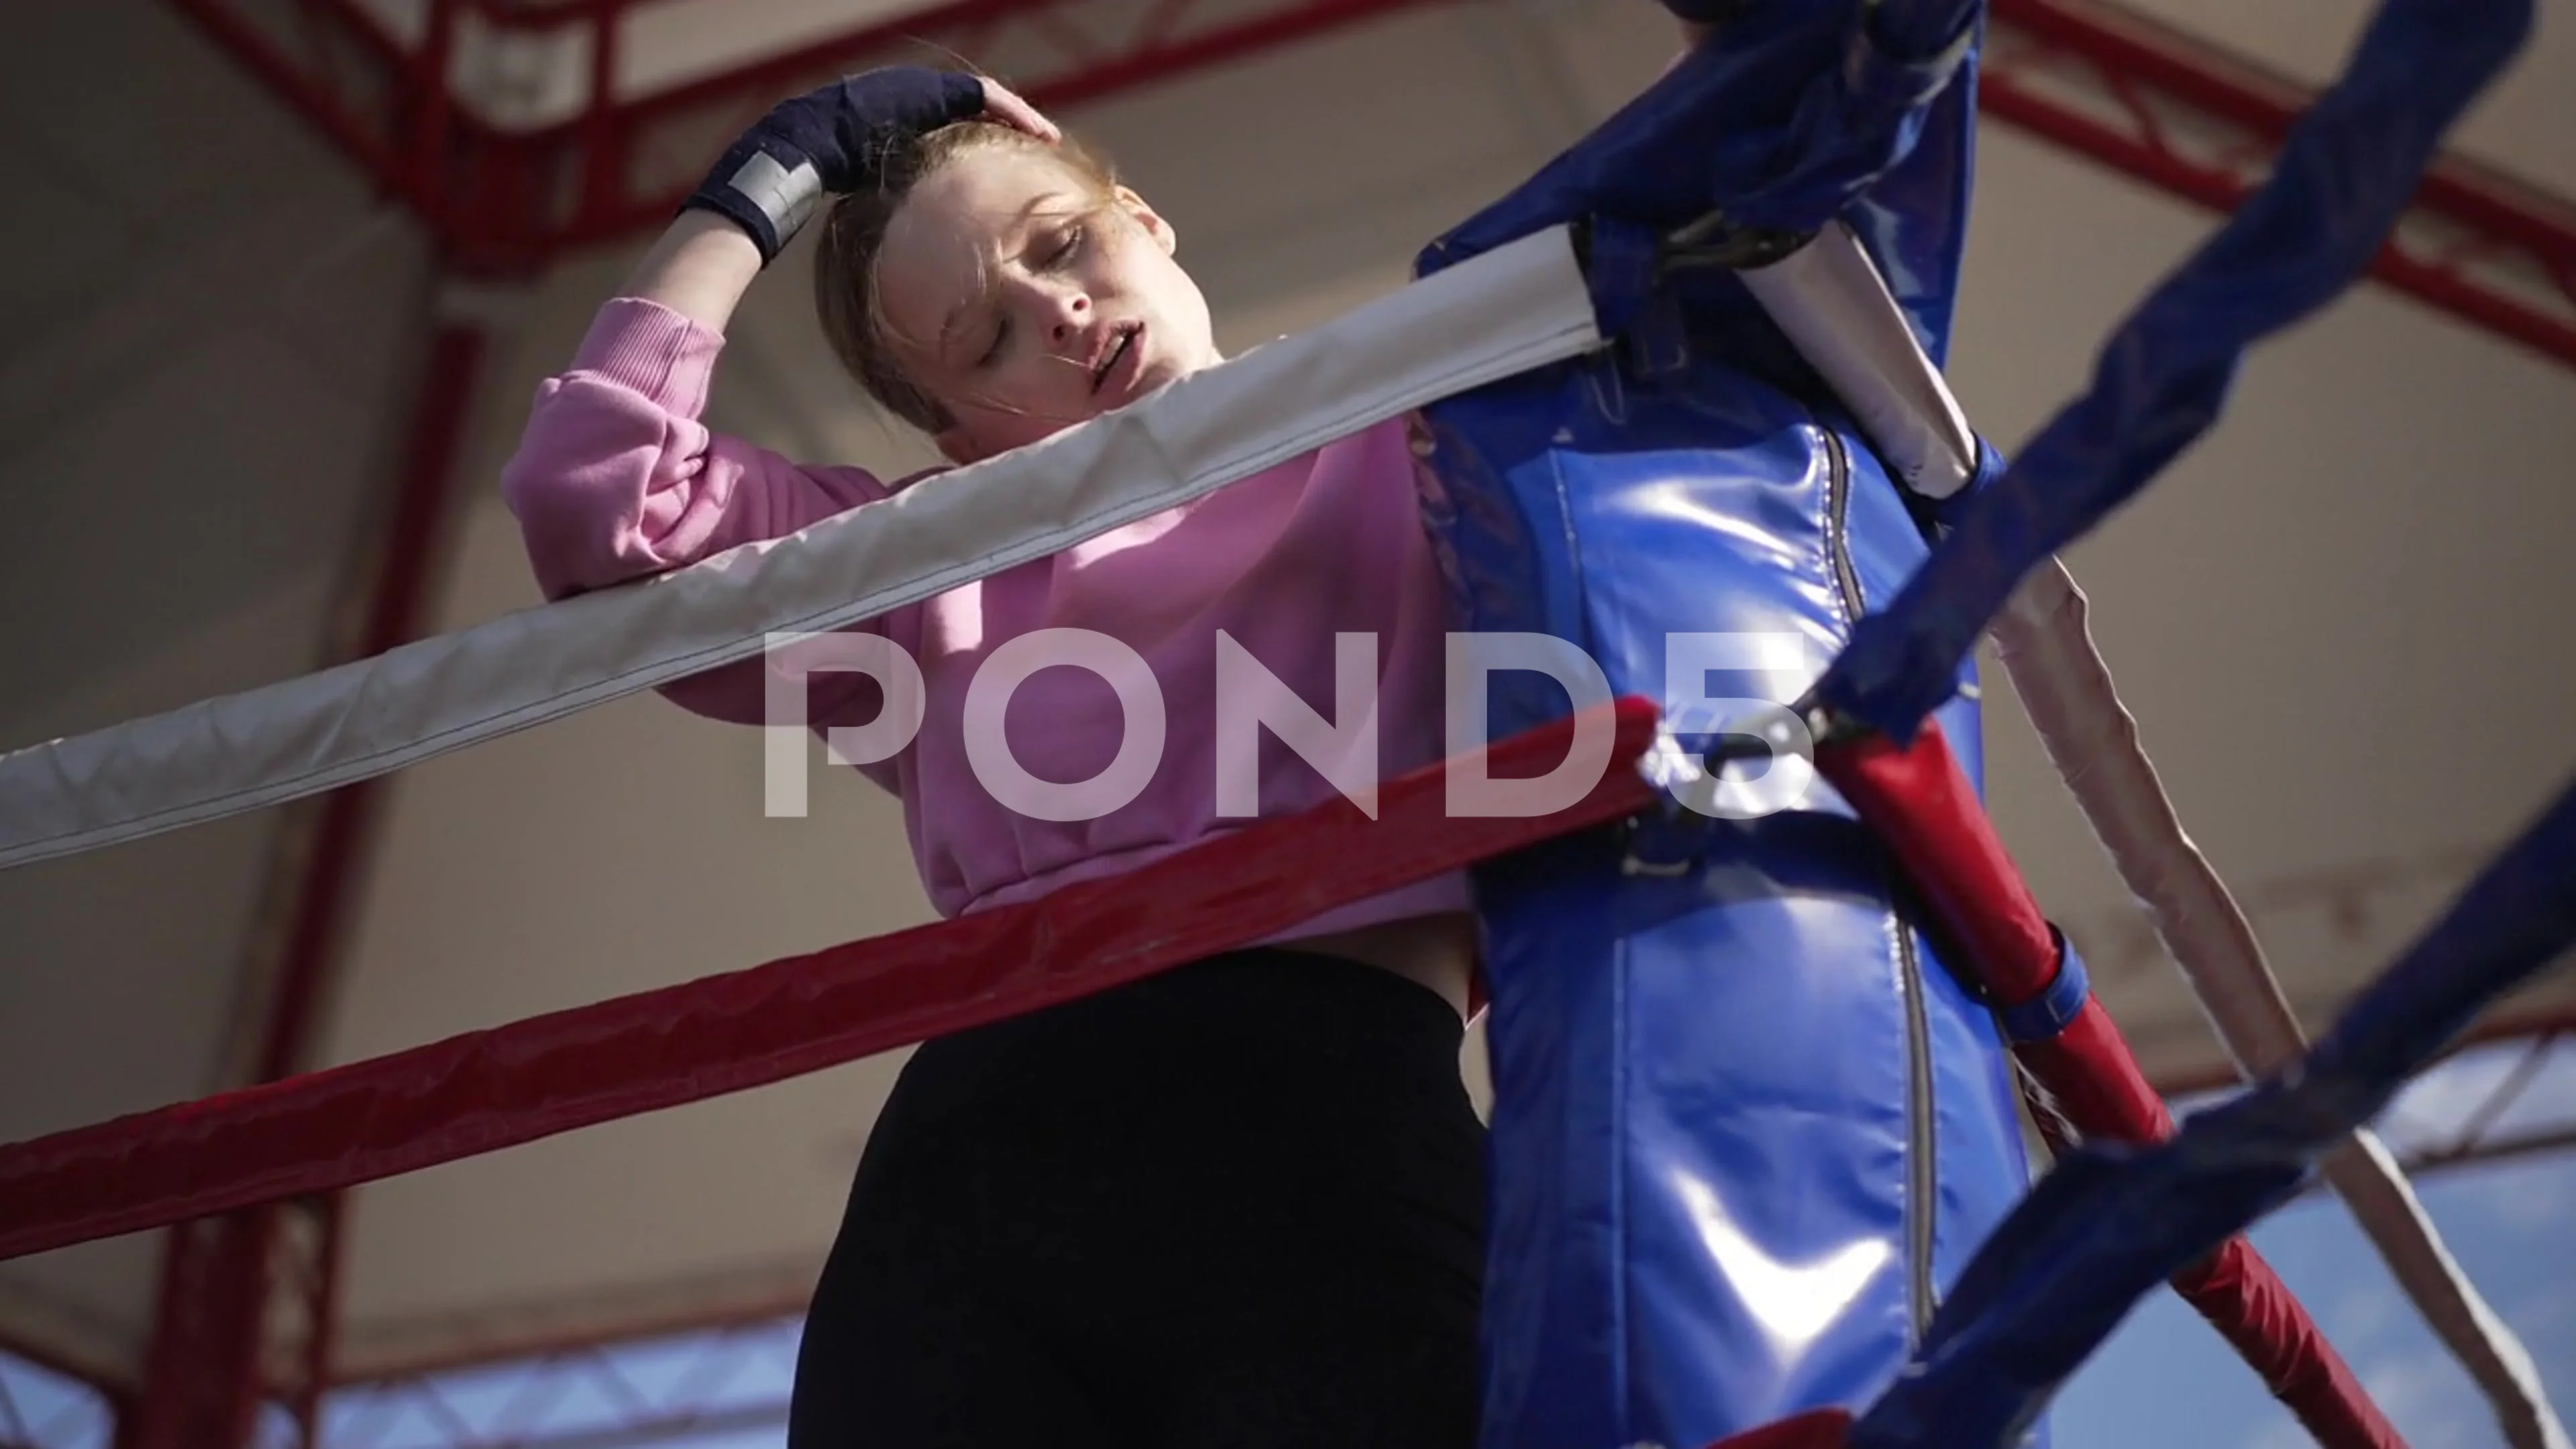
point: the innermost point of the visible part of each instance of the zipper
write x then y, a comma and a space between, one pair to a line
1837, 534
1920, 1190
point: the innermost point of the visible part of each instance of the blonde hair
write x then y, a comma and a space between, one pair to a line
854, 230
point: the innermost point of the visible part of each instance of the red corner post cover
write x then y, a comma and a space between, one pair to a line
1919, 802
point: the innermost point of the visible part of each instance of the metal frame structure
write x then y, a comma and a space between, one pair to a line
504, 201
2143, 100
2199, 124
2140, 98
2487, 1129
2354, 903
2493, 1131
728, 1376
84, 1420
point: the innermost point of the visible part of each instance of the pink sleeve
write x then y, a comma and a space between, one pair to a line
615, 479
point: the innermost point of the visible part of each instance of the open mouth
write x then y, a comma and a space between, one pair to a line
1116, 353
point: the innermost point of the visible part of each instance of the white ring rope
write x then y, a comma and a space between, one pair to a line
1513, 309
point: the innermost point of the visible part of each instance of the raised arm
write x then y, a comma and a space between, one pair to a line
616, 476
699, 268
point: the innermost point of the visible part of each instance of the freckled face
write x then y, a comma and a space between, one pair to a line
1024, 303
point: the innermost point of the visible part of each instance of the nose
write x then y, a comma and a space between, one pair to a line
1069, 312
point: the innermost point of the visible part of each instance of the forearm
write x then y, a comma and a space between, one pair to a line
700, 268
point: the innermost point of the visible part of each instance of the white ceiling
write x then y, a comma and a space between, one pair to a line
2333, 619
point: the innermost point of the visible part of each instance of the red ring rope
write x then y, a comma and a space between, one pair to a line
486, 1090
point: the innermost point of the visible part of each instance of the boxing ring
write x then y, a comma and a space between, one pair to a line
1701, 346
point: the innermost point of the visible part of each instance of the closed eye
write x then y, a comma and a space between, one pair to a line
1063, 252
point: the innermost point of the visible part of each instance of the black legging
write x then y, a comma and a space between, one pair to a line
1236, 1206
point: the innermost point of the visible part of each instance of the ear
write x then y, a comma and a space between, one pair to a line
1154, 225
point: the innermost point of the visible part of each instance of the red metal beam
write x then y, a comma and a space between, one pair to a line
2143, 99
609, 175
507, 202
2203, 125
207, 1372
322, 1325
330, 63
200, 1379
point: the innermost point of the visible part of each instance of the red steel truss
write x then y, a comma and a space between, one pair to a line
2144, 100
2204, 126
242, 1324
241, 1336
501, 200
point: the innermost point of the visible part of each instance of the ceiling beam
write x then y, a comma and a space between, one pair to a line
505, 202
2198, 123
2142, 99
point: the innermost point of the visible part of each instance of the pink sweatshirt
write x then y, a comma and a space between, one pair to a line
616, 479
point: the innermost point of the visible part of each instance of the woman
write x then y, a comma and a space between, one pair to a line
1239, 1204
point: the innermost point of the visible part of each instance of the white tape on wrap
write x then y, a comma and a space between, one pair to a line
1519, 307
